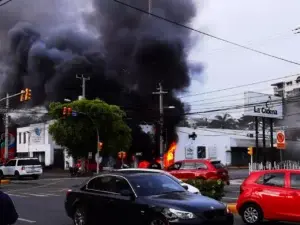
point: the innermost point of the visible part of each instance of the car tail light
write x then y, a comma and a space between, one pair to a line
68, 192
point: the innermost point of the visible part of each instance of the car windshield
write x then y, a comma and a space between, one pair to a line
217, 164
29, 162
154, 184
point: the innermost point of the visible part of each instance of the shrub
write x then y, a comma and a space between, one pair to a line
210, 188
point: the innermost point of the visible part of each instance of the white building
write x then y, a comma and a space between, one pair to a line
228, 146
35, 141
288, 87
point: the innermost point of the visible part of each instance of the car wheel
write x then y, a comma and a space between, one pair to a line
158, 221
1, 174
252, 214
17, 175
79, 217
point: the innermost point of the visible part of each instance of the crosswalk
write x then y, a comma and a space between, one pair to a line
44, 194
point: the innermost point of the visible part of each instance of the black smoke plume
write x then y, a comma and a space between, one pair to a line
125, 53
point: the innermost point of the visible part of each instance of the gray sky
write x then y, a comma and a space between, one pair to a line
264, 25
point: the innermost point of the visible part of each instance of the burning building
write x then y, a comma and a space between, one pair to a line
125, 52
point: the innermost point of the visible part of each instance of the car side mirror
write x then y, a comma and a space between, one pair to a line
185, 186
127, 193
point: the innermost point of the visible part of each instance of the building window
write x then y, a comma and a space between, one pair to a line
20, 138
24, 137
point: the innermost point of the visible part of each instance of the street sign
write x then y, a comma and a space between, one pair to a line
138, 154
98, 158
90, 156
280, 140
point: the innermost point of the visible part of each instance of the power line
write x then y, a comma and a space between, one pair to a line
4, 3
207, 34
239, 86
291, 100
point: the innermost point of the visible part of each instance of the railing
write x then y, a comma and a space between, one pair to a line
275, 165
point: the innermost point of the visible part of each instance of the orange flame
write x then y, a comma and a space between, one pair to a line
169, 156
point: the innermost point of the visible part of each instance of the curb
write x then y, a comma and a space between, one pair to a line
4, 182
232, 208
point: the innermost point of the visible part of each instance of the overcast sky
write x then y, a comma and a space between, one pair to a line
264, 25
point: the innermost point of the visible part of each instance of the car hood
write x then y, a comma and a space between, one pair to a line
184, 201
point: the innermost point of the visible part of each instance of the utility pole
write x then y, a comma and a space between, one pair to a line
149, 7
161, 121
83, 80
6, 127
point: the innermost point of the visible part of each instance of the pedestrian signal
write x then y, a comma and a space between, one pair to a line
27, 95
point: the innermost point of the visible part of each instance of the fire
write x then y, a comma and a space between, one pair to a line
169, 156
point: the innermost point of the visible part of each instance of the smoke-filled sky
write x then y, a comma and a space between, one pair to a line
126, 53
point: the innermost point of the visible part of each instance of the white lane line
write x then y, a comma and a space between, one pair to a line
27, 221
229, 198
35, 195
21, 196
47, 194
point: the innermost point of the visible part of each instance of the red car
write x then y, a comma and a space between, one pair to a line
270, 195
199, 168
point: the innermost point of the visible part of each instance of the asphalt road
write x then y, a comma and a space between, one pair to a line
41, 202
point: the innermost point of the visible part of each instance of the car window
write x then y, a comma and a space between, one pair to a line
121, 185
272, 179
188, 166
28, 162
11, 163
103, 183
201, 166
154, 184
295, 180
175, 166
217, 164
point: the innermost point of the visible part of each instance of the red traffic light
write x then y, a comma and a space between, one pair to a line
100, 146
64, 111
122, 155
69, 111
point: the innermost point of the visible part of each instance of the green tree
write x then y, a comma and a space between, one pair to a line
79, 134
223, 121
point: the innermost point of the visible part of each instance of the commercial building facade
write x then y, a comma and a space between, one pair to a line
35, 141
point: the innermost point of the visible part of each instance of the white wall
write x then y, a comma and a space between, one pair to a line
213, 142
43, 143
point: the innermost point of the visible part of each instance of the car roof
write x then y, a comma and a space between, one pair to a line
196, 160
142, 170
127, 175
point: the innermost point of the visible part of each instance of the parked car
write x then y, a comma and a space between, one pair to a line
22, 167
141, 198
188, 187
200, 169
270, 195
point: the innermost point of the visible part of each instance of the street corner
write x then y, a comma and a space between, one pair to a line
2, 182
232, 208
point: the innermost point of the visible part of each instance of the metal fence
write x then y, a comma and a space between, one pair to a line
275, 165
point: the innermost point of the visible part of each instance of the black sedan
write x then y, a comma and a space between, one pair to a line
141, 199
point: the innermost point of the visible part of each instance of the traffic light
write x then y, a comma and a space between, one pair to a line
65, 111
69, 111
27, 95
122, 155
250, 151
100, 146
22, 96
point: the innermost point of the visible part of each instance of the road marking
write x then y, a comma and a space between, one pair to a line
230, 198
35, 195
25, 220
47, 194
15, 195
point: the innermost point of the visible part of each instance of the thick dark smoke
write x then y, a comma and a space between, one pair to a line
126, 53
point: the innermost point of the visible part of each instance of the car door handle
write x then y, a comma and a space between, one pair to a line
294, 194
